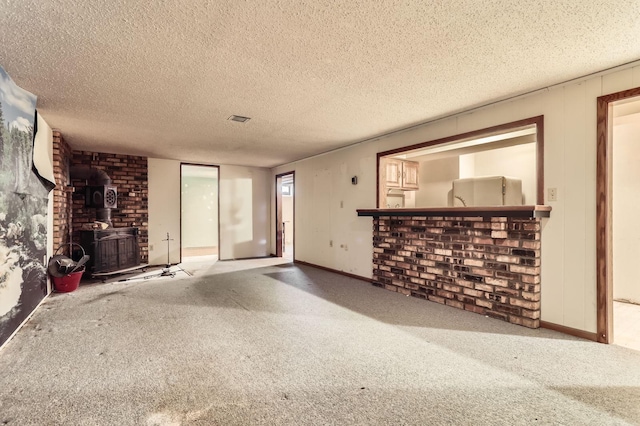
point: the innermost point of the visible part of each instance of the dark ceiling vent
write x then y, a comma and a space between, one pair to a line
239, 118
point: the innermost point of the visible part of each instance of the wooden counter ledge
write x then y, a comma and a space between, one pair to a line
487, 211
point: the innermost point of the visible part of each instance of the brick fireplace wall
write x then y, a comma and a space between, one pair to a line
62, 214
130, 176
490, 266
128, 173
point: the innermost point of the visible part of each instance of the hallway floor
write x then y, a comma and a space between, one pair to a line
287, 253
626, 323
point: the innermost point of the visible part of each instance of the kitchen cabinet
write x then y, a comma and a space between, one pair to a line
401, 174
410, 175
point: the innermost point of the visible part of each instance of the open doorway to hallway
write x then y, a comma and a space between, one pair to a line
625, 176
199, 207
285, 212
617, 238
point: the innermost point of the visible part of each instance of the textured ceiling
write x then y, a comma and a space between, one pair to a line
160, 78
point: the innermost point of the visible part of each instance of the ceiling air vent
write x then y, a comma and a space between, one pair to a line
239, 118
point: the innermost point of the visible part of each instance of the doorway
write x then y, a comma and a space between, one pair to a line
199, 213
285, 213
617, 239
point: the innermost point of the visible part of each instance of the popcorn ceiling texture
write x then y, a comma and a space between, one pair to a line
160, 78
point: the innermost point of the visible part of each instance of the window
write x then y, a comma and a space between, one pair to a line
497, 166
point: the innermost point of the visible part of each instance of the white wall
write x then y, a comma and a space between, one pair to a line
328, 232
287, 218
568, 237
199, 211
467, 165
626, 199
43, 161
45, 132
244, 211
436, 177
514, 161
245, 217
164, 210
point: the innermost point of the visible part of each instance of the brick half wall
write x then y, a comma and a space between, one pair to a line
487, 265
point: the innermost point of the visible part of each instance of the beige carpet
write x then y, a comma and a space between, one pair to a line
256, 342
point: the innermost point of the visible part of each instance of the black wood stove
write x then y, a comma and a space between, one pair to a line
111, 249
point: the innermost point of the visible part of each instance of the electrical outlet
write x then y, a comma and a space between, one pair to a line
150, 247
341, 204
330, 243
552, 194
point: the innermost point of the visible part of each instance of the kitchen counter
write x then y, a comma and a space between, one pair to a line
533, 211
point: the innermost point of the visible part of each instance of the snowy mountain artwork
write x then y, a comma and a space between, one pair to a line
23, 210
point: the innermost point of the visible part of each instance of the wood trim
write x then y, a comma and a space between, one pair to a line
278, 192
218, 190
538, 121
324, 268
489, 211
278, 216
219, 180
468, 135
604, 251
180, 227
294, 215
540, 159
378, 187
604, 314
269, 256
570, 331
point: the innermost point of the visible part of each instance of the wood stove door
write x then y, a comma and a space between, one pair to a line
106, 255
127, 250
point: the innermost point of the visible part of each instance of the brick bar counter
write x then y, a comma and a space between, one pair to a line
481, 259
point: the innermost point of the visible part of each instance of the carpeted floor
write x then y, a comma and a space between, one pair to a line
256, 342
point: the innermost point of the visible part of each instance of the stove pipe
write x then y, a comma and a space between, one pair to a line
94, 176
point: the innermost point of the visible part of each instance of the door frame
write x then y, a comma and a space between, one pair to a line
218, 203
604, 208
278, 183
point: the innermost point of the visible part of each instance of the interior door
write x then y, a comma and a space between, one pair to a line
279, 227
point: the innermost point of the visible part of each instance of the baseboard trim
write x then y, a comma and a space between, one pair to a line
335, 271
569, 330
245, 258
